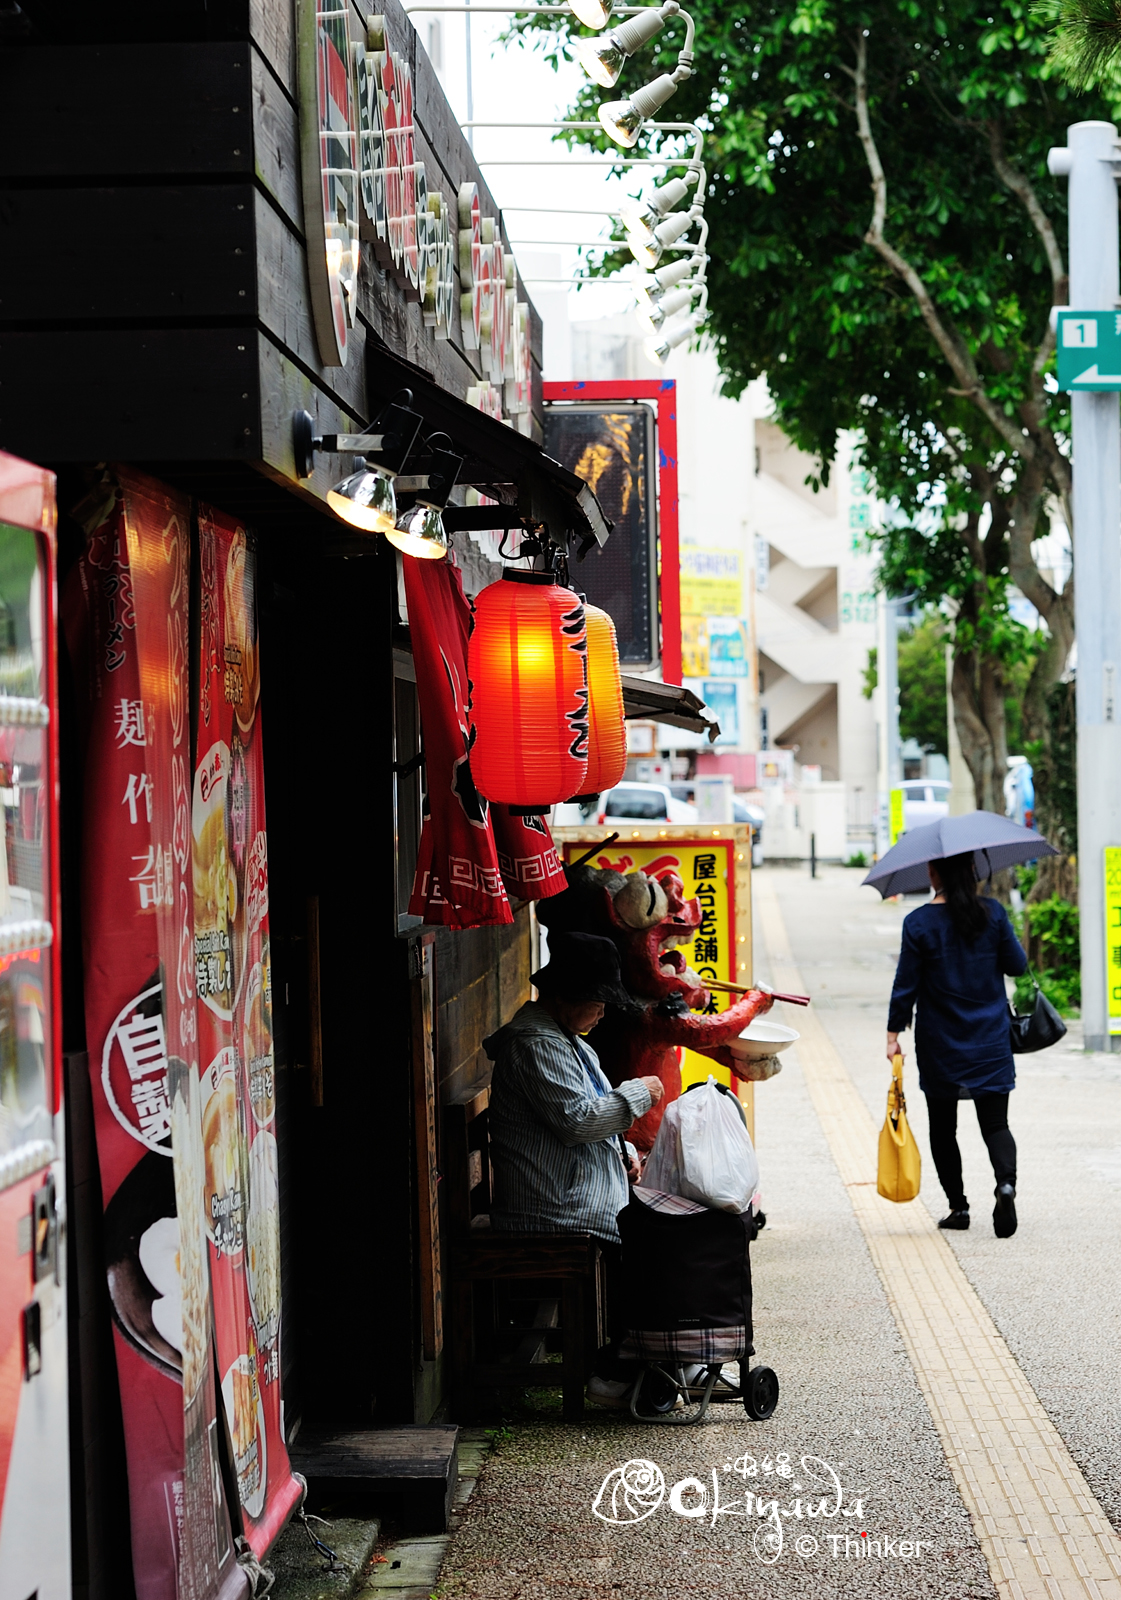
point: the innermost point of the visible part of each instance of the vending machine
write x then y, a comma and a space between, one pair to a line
34, 1447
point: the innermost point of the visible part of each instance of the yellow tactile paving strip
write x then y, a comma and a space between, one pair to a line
1043, 1533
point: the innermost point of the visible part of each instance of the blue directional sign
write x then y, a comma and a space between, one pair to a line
1089, 352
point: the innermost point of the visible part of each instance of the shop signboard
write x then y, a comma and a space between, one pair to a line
711, 583
1113, 936
721, 696
362, 181
232, 976
715, 866
897, 815
612, 448
729, 647
126, 618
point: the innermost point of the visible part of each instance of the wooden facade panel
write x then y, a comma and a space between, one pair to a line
284, 307
285, 389
276, 143
168, 395
272, 26
174, 251
142, 109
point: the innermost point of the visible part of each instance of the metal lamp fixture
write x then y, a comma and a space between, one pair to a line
669, 305
622, 120
603, 59
659, 345
366, 498
641, 216
592, 13
649, 252
653, 290
420, 532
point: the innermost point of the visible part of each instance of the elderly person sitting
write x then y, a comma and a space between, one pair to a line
556, 1124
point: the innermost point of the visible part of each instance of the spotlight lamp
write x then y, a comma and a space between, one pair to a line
366, 498
654, 289
649, 252
623, 120
603, 59
641, 216
653, 317
592, 13
420, 531
659, 345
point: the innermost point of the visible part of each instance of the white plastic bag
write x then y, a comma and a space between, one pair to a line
704, 1152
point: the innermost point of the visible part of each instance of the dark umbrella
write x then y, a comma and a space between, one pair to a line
996, 842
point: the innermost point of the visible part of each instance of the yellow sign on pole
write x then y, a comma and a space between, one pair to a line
896, 815
1113, 935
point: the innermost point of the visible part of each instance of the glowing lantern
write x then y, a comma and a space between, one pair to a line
526, 662
607, 732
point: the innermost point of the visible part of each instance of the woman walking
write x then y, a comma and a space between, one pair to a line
956, 951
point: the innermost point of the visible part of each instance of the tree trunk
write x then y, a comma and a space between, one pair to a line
977, 689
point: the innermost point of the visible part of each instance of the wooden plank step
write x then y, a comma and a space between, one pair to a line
416, 1464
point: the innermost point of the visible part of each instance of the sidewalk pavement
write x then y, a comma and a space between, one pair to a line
852, 1372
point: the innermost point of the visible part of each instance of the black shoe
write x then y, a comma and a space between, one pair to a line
958, 1220
1004, 1212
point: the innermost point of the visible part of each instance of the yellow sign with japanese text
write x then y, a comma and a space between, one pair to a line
710, 869
1113, 935
711, 583
896, 815
694, 647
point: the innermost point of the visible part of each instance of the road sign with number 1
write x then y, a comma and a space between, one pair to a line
1089, 350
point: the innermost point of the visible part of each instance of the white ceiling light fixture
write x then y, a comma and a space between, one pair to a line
649, 293
603, 59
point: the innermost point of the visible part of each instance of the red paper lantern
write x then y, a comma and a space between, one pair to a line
529, 692
607, 732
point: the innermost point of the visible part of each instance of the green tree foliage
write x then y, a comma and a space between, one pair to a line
1087, 45
922, 685
884, 246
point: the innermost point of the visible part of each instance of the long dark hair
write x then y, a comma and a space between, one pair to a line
968, 912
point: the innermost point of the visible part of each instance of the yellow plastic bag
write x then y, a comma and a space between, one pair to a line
900, 1166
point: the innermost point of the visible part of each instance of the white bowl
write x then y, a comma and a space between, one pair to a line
762, 1038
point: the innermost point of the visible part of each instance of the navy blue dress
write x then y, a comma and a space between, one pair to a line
961, 1030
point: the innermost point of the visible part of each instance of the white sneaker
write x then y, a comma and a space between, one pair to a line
609, 1392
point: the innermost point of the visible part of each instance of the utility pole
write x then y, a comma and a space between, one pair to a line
1089, 161
887, 675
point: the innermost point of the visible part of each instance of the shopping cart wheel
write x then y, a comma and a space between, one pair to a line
760, 1394
659, 1391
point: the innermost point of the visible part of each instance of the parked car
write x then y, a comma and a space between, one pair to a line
924, 800
643, 802
743, 811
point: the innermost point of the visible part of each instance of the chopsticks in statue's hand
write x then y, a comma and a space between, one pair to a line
739, 988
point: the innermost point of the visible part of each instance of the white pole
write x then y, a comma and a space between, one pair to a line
1087, 160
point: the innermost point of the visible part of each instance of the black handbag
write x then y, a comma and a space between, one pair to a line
1037, 1028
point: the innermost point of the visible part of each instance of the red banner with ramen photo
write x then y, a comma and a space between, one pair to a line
233, 987
126, 619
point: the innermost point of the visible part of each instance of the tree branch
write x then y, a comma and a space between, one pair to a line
1022, 188
948, 341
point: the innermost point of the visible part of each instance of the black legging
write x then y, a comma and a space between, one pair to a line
992, 1115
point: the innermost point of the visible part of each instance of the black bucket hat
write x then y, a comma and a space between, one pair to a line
582, 966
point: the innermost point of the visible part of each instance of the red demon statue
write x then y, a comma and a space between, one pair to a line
647, 918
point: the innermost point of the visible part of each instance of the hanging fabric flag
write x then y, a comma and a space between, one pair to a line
126, 621
233, 985
458, 883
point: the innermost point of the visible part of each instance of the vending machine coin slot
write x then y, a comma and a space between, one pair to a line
44, 1226
32, 1341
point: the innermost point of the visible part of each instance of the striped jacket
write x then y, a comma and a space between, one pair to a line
557, 1164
